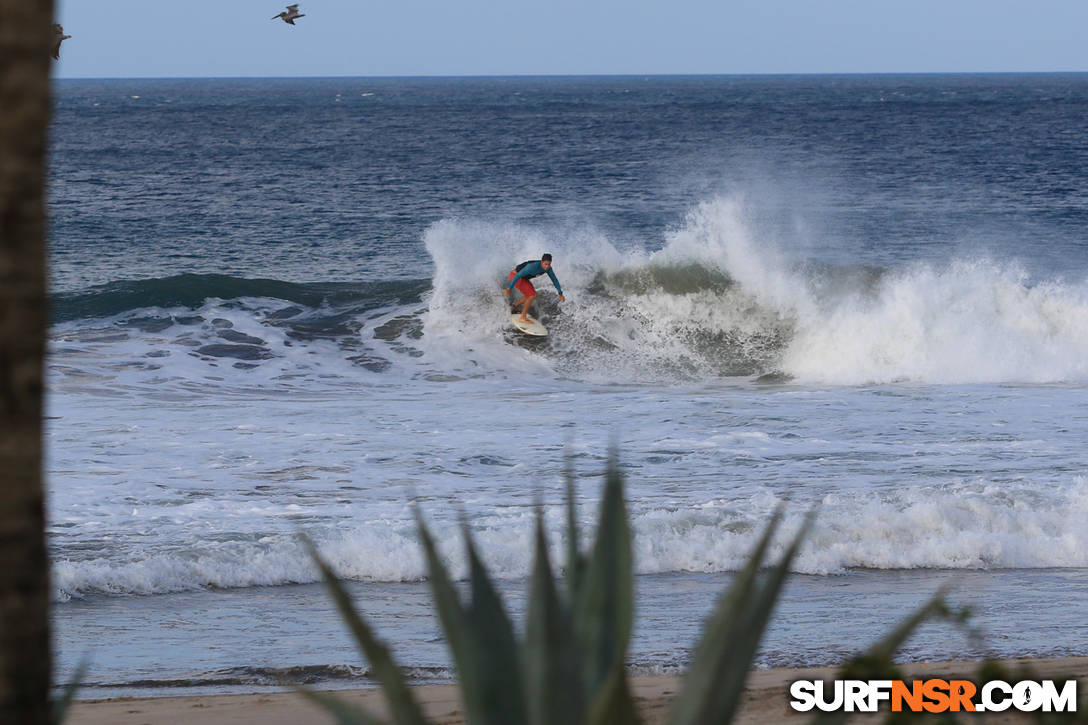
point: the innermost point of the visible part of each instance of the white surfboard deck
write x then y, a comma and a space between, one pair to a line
532, 328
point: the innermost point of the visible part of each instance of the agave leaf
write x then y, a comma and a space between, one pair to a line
756, 616
576, 563
714, 685
494, 649
463, 633
450, 612
344, 713
876, 662
61, 704
554, 684
885, 649
705, 671
402, 703
605, 605
614, 704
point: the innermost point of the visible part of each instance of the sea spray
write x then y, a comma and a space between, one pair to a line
974, 321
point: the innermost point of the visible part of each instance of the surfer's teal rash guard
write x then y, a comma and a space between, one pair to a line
528, 270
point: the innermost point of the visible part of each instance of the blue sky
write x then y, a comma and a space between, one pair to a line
229, 38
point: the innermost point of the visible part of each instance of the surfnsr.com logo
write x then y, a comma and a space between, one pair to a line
934, 695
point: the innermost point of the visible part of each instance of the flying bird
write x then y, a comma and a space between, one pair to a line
289, 14
58, 37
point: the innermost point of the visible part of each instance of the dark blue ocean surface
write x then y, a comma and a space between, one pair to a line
337, 179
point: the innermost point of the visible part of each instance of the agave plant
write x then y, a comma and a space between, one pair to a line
569, 668
63, 703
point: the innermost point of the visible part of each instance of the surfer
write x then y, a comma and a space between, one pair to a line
520, 276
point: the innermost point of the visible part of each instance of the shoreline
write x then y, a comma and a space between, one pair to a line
766, 699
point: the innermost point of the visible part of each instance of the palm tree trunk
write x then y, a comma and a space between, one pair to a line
25, 35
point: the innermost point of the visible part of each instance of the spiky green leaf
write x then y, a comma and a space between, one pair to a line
451, 615
553, 680
68, 695
344, 713
605, 605
614, 704
402, 703
576, 564
714, 685
876, 663
469, 644
494, 649
885, 649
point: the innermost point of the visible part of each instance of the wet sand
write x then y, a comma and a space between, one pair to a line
766, 700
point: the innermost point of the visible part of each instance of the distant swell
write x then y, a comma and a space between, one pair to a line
193, 290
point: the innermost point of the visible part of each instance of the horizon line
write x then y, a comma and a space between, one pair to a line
579, 75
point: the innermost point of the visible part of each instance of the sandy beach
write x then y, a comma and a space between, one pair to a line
766, 700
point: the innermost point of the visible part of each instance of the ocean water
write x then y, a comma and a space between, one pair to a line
276, 311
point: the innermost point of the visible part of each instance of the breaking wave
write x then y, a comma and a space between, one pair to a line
715, 301
967, 525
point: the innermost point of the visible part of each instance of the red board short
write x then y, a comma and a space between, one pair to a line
523, 285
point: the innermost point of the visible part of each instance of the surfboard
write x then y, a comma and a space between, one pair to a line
532, 328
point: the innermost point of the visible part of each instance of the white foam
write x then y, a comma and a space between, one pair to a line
968, 525
972, 322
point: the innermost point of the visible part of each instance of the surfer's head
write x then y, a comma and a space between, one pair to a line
545, 260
